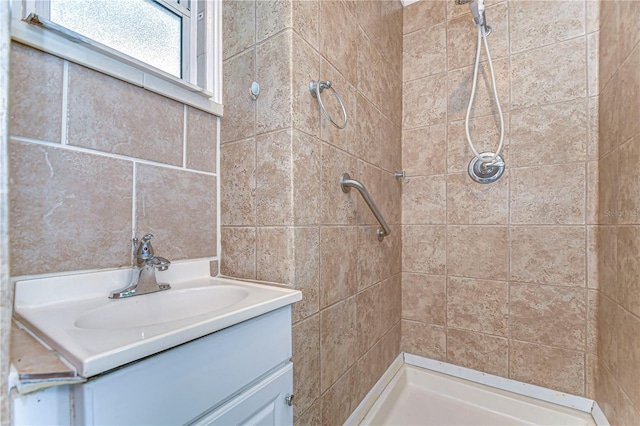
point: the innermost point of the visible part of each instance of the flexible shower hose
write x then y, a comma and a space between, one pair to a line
484, 158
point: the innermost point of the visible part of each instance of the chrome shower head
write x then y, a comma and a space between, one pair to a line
477, 10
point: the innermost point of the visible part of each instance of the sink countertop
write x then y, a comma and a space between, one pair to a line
74, 315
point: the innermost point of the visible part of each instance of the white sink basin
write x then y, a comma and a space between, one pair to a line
74, 315
161, 307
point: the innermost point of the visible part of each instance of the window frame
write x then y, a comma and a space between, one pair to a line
59, 41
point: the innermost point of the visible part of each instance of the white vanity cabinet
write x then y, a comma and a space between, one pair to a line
239, 375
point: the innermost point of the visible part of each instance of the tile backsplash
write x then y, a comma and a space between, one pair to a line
94, 160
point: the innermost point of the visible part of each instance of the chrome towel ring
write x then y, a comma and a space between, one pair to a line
316, 88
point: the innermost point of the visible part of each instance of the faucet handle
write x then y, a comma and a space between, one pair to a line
144, 250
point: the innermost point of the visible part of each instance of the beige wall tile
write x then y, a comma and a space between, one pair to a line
370, 177
306, 179
423, 14
478, 252
537, 198
311, 417
630, 96
424, 249
336, 206
346, 138
238, 27
562, 127
548, 255
593, 117
462, 36
338, 264
424, 200
425, 101
629, 355
35, 94
391, 197
273, 179
306, 272
478, 305
305, 21
424, 340
554, 316
238, 183
373, 131
238, 257
424, 298
534, 26
459, 90
549, 74
592, 192
609, 129
478, 351
214, 268
62, 200
239, 108
164, 194
485, 135
610, 41
338, 401
202, 133
338, 341
609, 325
608, 261
371, 257
545, 366
306, 67
378, 309
469, 202
629, 411
140, 123
272, 17
274, 65
593, 15
592, 257
628, 186
376, 361
424, 150
339, 38
629, 30
591, 376
593, 82
425, 52
628, 259
377, 80
592, 322
608, 394
306, 363
608, 193
274, 255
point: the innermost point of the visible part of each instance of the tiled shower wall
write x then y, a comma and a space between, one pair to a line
284, 216
499, 277
94, 160
618, 384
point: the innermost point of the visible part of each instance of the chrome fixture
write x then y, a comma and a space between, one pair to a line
346, 183
143, 278
254, 90
477, 10
316, 88
486, 172
484, 167
401, 176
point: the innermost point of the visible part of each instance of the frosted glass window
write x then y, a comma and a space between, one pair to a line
139, 28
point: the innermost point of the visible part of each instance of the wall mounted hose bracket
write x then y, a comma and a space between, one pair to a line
346, 183
316, 88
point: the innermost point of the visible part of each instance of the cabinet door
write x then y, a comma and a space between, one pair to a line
262, 404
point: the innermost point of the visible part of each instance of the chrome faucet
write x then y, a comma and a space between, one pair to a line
143, 278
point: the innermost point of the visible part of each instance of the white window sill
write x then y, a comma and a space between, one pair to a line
116, 65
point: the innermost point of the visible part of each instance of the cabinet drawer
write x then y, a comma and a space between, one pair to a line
180, 384
263, 404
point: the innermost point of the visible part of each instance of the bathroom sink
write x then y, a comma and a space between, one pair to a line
161, 308
74, 315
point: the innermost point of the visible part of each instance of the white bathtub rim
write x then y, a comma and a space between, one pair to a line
544, 394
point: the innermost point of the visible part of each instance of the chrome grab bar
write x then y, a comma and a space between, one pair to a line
346, 183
